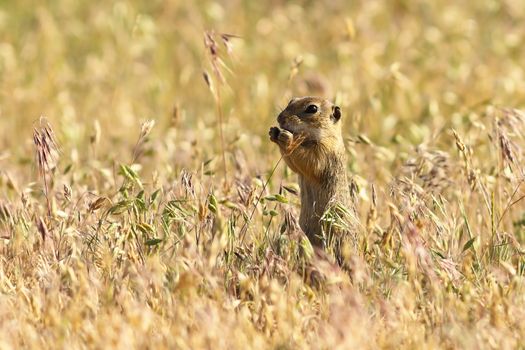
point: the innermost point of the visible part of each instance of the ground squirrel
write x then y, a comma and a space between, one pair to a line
311, 143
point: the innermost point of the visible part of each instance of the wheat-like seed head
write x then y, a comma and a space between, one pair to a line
46, 147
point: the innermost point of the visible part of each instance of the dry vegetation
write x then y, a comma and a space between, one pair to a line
117, 231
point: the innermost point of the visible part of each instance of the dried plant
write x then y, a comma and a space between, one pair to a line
507, 125
47, 152
145, 130
177, 255
297, 140
217, 64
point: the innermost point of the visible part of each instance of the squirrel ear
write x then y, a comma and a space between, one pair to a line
336, 113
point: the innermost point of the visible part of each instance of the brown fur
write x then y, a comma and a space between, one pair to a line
312, 145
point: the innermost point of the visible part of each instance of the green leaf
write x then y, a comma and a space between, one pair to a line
139, 203
469, 244
126, 172
120, 207
281, 198
130, 174
228, 204
438, 253
293, 189
154, 196
212, 204
68, 168
307, 248
153, 242
145, 228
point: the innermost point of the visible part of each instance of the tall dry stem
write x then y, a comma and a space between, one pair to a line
47, 152
296, 143
217, 64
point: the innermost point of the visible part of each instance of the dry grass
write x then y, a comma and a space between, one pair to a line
133, 237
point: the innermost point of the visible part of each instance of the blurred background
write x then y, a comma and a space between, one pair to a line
401, 70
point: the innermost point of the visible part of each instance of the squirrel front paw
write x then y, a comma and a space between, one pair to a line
274, 133
280, 136
285, 137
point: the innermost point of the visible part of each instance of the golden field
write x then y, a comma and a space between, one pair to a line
142, 204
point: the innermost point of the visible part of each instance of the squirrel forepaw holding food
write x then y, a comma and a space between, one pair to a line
274, 133
280, 136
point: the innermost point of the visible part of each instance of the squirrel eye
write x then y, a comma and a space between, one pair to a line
311, 109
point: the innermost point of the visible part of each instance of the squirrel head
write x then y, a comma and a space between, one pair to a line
314, 118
